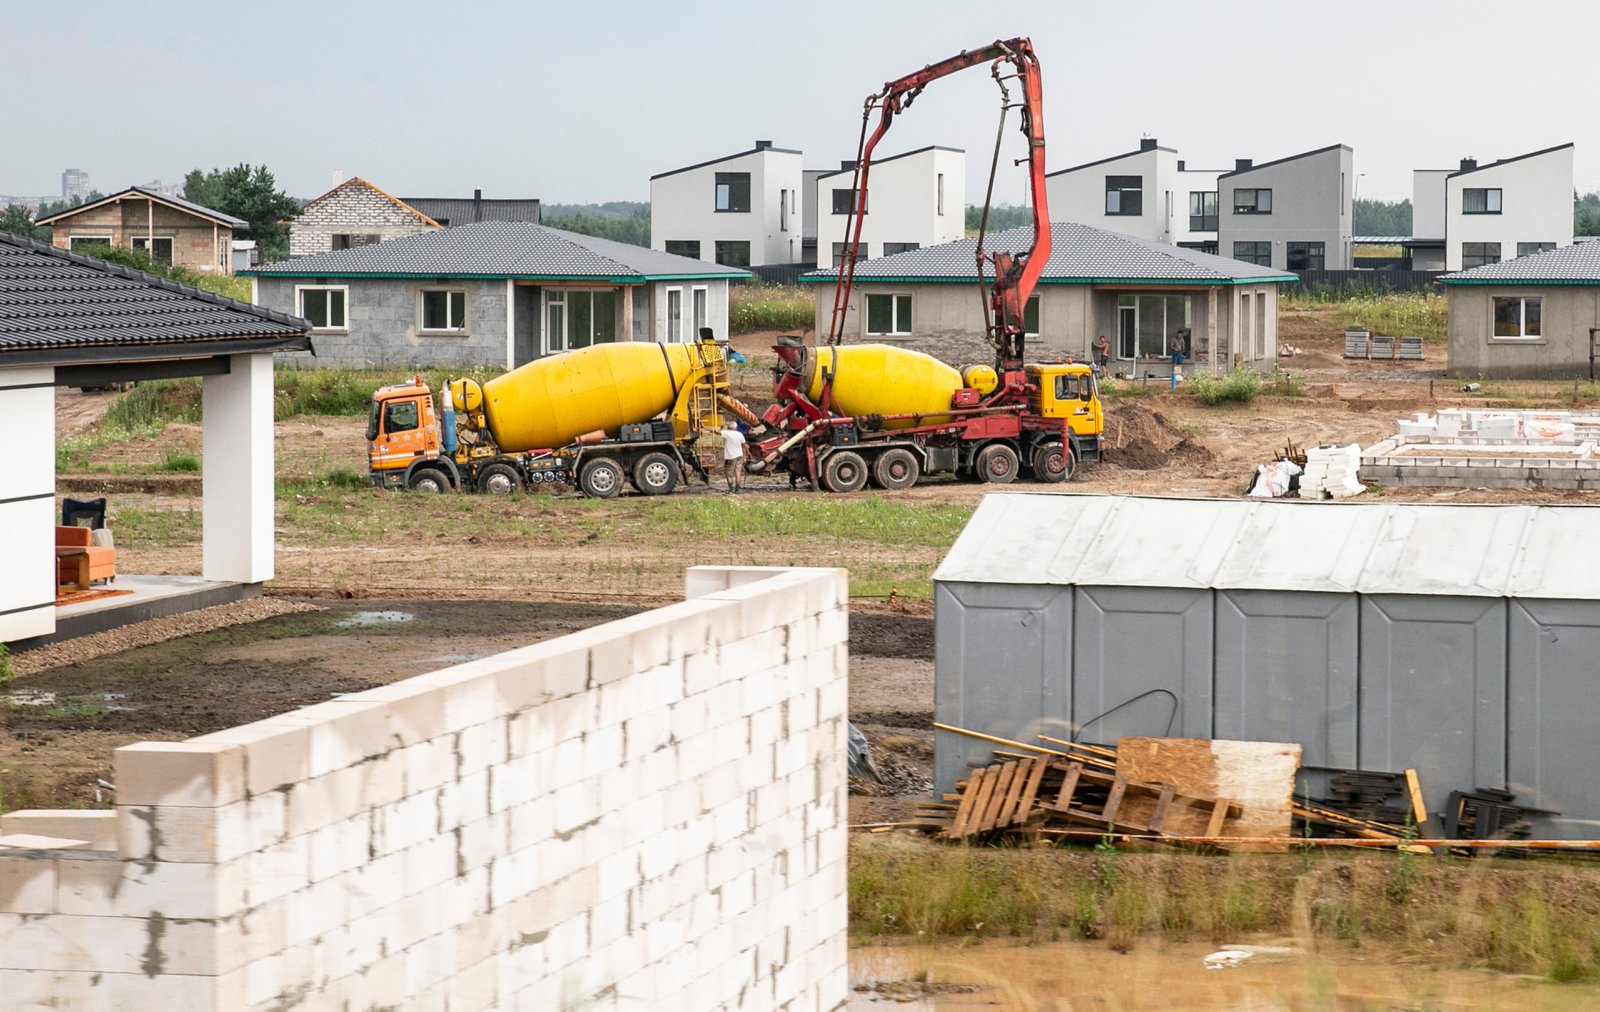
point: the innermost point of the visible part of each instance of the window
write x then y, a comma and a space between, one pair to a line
159, 246
1516, 317
443, 310
733, 191
1125, 195
1477, 200
1259, 253
1252, 201
900, 247
79, 242
578, 318
1030, 317
1530, 248
1305, 256
1477, 254
1075, 388
674, 333
684, 248
340, 242
399, 416
888, 314
838, 253
842, 201
783, 210
1202, 210
1146, 323
939, 190
698, 298
733, 254
324, 307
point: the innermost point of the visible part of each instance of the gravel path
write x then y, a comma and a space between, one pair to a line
157, 630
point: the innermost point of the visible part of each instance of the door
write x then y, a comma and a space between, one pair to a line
1128, 331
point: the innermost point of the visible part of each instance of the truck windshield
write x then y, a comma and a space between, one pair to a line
372, 420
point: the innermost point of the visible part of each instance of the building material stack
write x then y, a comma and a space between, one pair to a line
1332, 472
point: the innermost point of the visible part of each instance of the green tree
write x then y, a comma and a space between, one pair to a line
17, 220
1001, 217
619, 220
249, 192
1586, 215
1383, 217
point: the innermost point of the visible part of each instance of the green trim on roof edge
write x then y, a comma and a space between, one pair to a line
1522, 282
390, 276
859, 281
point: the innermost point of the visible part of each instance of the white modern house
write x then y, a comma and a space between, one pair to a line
914, 199
741, 210
1506, 209
1148, 193
1292, 213
1425, 248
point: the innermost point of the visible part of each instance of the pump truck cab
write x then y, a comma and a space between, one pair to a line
600, 416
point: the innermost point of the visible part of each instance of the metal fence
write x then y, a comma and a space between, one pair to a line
776, 274
1346, 282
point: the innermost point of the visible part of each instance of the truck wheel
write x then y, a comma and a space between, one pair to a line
896, 469
428, 479
844, 471
996, 464
1053, 463
601, 478
499, 479
655, 474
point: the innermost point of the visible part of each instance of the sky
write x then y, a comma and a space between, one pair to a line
578, 102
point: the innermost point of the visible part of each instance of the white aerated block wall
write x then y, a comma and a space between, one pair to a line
646, 815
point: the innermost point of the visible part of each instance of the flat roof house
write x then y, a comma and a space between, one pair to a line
1134, 291
1537, 316
1294, 213
171, 229
1149, 193
1509, 208
742, 210
497, 293
916, 199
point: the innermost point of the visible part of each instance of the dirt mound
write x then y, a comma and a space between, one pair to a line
1140, 439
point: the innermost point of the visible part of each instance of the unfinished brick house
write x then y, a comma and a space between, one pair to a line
170, 229
354, 213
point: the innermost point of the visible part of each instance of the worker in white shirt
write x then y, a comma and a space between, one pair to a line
733, 453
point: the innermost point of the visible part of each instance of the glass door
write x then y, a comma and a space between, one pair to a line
1128, 330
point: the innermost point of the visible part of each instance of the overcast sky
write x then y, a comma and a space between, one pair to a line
579, 102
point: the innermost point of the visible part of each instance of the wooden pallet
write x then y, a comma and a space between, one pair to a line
998, 797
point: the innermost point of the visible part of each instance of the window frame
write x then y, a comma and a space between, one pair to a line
1119, 186
1034, 305
1538, 247
454, 327
1255, 205
1215, 217
300, 307
1253, 242
848, 194
729, 179
1499, 199
148, 240
558, 295
667, 245
904, 247
717, 251
1522, 335
1320, 255
87, 240
699, 310
1482, 258
899, 327
672, 315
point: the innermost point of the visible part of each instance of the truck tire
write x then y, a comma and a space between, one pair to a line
655, 474
996, 464
601, 478
896, 468
430, 480
499, 479
844, 471
1053, 463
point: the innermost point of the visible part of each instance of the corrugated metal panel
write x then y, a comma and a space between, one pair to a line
1554, 697
1368, 548
1131, 644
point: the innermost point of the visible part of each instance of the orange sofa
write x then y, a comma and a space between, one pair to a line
82, 563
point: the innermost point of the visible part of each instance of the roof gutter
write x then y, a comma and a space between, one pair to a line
1505, 282
1281, 278
80, 354
427, 275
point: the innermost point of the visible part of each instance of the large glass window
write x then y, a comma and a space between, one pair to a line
1125, 195
1516, 317
684, 248
1146, 324
1252, 201
1529, 248
842, 200
1479, 254
444, 309
1259, 253
888, 314
733, 191
324, 307
1480, 200
1202, 210
577, 318
733, 254
1305, 256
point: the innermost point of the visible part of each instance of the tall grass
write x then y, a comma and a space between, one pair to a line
1241, 385
771, 307
1392, 314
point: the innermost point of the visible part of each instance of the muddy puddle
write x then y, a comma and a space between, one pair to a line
1267, 975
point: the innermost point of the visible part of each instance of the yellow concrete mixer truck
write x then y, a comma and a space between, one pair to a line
601, 416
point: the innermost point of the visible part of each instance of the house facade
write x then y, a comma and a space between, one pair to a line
914, 199
1507, 209
495, 293
354, 213
739, 211
1138, 293
1149, 193
1535, 317
1293, 214
1425, 248
172, 230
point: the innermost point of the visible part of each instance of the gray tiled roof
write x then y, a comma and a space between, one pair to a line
1078, 254
465, 210
58, 307
187, 205
1565, 265
500, 249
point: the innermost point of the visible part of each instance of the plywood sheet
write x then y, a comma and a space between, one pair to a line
1259, 775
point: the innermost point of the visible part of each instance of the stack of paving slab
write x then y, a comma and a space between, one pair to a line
1364, 344
1489, 449
1332, 472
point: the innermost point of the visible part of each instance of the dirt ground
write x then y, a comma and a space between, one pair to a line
479, 574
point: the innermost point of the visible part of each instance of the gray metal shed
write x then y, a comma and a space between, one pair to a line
1463, 641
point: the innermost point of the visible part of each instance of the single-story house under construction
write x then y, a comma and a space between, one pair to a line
497, 293
1135, 292
1535, 317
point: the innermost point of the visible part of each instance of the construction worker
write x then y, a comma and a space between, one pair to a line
733, 454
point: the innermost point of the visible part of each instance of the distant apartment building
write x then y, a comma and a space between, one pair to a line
914, 199
74, 183
1148, 193
740, 210
1292, 213
1507, 209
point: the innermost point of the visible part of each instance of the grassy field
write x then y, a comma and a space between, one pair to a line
1393, 314
771, 307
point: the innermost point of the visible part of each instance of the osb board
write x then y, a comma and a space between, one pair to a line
1259, 775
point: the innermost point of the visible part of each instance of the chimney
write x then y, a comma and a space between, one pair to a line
1240, 164
1180, 165
1468, 164
763, 145
477, 205
1147, 144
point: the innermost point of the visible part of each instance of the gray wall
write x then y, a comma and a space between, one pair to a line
383, 318
1309, 204
1470, 691
1567, 312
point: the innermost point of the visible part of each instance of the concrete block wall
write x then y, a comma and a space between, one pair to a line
648, 814
385, 317
358, 210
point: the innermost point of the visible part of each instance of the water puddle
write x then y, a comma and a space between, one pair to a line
359, 619
31, 697
1062, 976
450, 658
107, 702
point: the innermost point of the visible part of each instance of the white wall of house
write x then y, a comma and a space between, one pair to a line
918, 197
678, 299
237, 480
1535, 204
28, 504
683, 207
1192, 181
1427, 203
1311, 203
1079, 194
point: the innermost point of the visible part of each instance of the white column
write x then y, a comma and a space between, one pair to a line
238, 472
28, 503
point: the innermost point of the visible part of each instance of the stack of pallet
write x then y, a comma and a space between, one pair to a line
1331, 472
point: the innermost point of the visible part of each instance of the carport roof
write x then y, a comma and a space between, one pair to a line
1223, 544
499, 250
1566, 265
62, 308
1079, 255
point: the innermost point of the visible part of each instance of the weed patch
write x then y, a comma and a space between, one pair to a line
771, 307
1241, 385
